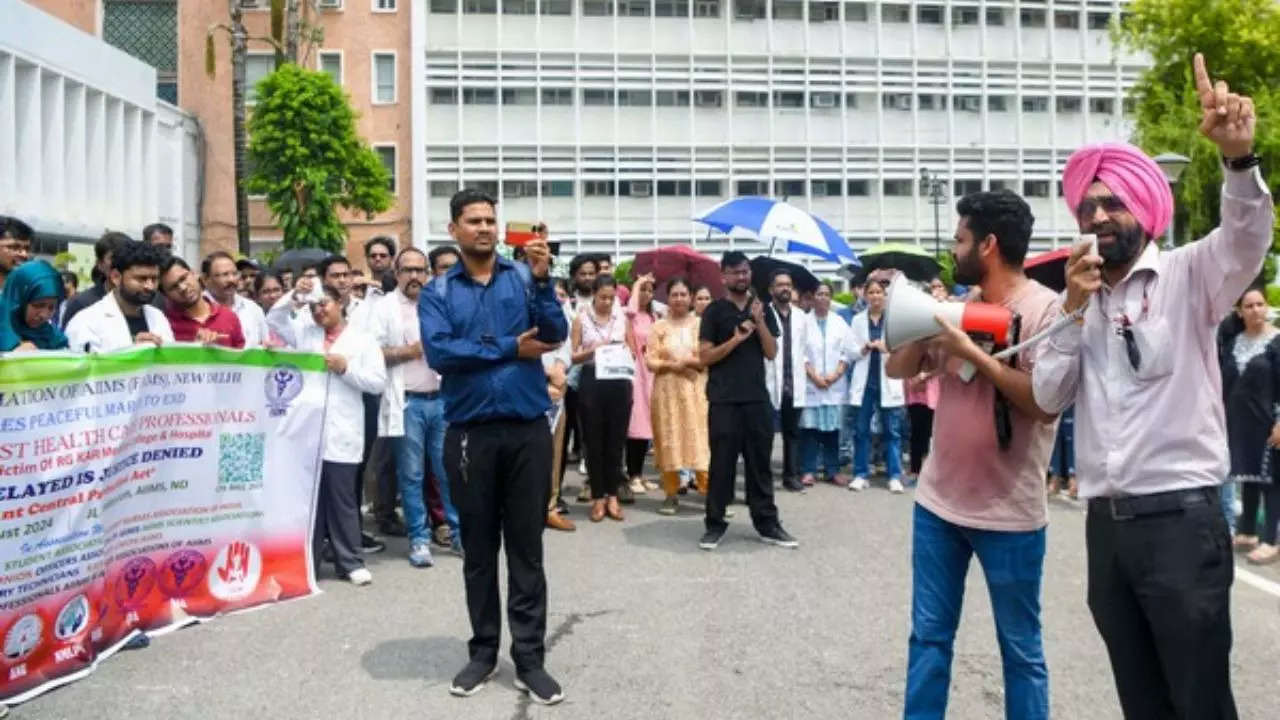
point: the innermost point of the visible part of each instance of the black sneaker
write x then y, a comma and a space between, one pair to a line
562, 507
393, 528
472, 679
793, 484
711, 539
369, 544
540, 686
778, 536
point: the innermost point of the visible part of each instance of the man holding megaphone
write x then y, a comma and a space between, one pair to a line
1141, 366
981, 491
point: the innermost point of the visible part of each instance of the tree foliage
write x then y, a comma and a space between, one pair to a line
1240, 40
308, 159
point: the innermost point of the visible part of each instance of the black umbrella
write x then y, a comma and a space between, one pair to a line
763, 267
916, 263
299, 259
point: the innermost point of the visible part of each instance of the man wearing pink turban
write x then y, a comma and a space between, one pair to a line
1151, 449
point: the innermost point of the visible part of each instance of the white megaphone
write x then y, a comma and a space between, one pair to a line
910, 313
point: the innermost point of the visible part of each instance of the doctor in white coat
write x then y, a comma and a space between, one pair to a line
784, 374
872, 391
125, 316
355, 367
827, 389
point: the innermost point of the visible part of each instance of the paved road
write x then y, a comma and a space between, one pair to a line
645, 625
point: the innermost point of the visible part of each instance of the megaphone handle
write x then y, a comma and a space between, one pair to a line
967, 370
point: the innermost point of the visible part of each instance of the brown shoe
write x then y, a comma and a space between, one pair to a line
597, 511
613, 510
556, 521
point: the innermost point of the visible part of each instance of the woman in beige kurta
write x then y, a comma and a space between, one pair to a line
679, 402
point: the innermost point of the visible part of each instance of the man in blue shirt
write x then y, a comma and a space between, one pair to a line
485, 325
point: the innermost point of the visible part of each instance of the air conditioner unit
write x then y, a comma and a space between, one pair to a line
330, 4
641, 188
824, 100
251, 4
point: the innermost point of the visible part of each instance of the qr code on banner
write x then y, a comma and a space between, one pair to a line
241, 457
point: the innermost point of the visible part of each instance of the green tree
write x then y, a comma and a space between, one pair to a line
308, 159
1240, 40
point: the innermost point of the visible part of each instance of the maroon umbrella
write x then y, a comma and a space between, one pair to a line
1049, 269
681, 261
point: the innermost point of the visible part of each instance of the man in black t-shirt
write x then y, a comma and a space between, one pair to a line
736, 338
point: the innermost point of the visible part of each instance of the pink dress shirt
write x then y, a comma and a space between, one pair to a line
1161, 427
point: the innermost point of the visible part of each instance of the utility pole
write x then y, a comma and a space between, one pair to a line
934, 189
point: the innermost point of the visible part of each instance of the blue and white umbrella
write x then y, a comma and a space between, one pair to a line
780, 225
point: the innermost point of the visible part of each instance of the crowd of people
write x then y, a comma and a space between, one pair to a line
466, 382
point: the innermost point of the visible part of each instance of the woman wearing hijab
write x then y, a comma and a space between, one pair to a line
32, 293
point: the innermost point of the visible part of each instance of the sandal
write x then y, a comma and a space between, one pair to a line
1245, 543
1264, 555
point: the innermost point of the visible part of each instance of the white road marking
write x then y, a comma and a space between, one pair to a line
1270, 587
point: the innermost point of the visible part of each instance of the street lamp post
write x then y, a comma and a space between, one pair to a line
1172, 165
934, 189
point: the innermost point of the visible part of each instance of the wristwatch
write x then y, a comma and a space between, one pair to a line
1244, 162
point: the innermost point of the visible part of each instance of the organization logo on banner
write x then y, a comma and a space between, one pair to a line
283, 384
182, 572
236, 571
23, 638
135, 582
72, 619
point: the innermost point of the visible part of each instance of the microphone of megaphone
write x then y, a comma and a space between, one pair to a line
910, 314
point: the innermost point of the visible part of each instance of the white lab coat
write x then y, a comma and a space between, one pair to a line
253, 321
824, 352
891, 391
387, 327
798, 324
102, 327
344, 405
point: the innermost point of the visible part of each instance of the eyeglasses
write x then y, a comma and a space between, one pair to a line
1109, 204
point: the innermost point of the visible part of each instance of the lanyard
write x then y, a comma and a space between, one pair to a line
1122, 319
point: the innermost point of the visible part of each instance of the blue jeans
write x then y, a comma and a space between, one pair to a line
1063, 461
1013, 563
848, 433
819, 447
891, 436
424, 428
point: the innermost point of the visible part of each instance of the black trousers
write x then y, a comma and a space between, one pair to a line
636, 452
379, 456
744, 429
501, 492
337, 518
1160, 594
790, 421
573, 423
921, 419
605, 409
1251, 496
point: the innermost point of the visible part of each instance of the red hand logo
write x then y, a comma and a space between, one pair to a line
237, 565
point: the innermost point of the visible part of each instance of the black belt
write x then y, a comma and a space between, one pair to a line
422, 395
1136, 506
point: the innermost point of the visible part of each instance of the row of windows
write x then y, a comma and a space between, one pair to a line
375, 5
715, 188
814, 11
597, 97
382, 82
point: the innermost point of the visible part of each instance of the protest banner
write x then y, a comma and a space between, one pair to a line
144, 489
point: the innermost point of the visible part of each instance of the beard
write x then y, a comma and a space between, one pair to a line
782, 297
143, 297
969, 270
1123, 249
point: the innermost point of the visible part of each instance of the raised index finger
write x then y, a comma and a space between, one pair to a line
1203, 83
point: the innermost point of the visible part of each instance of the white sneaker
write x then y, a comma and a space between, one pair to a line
858, 485
895, 487
582, 468
360, 577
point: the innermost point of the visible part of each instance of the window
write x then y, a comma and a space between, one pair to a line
706, 8
898, 188
635, 98
557, 7
674, 188
824, 188
1031, 18
443, 96
788, 99
895, 13
749, 9
519, 7
330, 62
752, 187
557, 96
964, 16
824, 100
488, 187
387, 154
896, 101
384, 5
929, 14
857, 188
384, 78
442, 188
634, 8
597, 8
1001, 185
672, 98
635, 188
1099, 21
671, 8
708, 98
824, 11
784, 10
257, 66
1067, 104
968, 103
933, 102
597, 98
480, 7
519, 96
1066, 20
598, 188
479, 96
855, 12
708, 188
995, 17
967, 187
1035, 188
1128, 106
330, 4
751, 99
519, 188
444, 7
1102, 106
789, 188
998, 103
557, 188
851, 101
1035, 104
